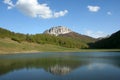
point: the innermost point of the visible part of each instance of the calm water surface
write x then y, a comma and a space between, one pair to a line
61, 66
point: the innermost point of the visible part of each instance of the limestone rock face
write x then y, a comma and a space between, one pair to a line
58, 30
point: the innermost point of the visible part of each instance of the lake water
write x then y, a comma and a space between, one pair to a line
61, 66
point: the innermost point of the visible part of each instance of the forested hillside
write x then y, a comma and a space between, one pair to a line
80, 37
63, 41
111, 42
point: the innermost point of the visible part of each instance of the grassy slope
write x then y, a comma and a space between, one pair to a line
8, 46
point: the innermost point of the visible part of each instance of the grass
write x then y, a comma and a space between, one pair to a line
8, 46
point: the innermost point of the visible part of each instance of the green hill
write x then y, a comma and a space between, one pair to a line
112, 42
80, 37
42, 39
17, 42
9, 46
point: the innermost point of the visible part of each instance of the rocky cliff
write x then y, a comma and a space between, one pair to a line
58, 30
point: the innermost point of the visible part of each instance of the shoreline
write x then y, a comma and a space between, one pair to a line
81, 50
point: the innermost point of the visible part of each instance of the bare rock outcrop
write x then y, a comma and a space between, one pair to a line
58, 30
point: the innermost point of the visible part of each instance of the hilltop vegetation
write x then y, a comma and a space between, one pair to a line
17, 42
63, 41
82, 38
112, 42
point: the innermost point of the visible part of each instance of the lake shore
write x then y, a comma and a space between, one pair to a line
81, 50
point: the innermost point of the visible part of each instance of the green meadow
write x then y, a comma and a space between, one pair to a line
8, 46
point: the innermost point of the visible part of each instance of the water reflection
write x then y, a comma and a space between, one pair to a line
72, 66
96, 66
56, 66
59, 70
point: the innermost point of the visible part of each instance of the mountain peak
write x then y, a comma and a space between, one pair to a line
58, 30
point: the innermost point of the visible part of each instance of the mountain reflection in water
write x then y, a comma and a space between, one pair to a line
59, 70
57, 66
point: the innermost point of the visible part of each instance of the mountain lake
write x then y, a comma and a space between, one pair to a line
61, 66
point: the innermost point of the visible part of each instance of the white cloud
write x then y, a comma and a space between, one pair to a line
93, 8
95, 34
9, 3
109, 13
33, 8
61, 13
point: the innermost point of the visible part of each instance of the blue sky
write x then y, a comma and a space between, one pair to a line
96, 18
